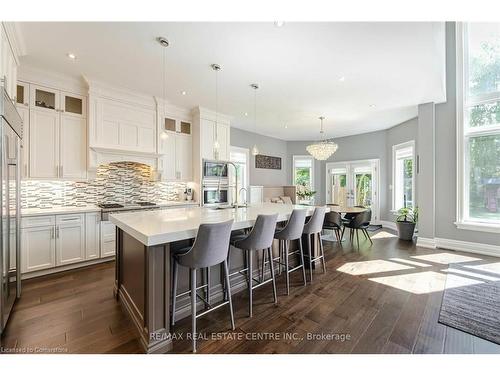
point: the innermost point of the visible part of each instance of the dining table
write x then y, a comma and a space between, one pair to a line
341, 209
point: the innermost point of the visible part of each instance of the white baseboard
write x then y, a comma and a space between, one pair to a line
68, 267
429, 243
469, 247
388, 224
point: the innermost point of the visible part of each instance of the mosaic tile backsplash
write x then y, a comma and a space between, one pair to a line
122, 182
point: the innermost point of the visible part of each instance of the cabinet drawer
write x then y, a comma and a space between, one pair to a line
37, 221
70, 219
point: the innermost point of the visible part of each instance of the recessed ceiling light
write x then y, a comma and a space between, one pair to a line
342, 79
372, 105
286, 126
183, 92
71, 56
279, 23
246, 114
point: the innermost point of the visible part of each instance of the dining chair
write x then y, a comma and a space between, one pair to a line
360, 222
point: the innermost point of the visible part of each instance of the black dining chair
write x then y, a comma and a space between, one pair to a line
360, 222
333, 221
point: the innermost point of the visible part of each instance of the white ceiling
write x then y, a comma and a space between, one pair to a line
394, 66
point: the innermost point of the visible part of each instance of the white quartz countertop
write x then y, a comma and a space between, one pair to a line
163, 226
90, 208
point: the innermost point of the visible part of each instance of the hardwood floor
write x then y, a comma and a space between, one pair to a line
380, 299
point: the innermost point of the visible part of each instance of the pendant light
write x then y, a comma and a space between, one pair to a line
164, 43
255, 150
216, 68
323, 149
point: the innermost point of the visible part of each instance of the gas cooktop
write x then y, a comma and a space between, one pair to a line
126, 206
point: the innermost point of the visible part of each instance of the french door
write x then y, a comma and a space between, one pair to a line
354, 183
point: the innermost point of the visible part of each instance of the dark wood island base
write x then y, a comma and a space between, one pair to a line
142, 285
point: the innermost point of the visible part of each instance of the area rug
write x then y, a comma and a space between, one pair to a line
473, 308
374, 227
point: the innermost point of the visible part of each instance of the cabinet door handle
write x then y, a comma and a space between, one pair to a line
52, 233
57, 232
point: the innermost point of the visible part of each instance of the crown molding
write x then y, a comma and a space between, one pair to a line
15, 38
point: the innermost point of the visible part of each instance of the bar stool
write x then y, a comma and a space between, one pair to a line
313, 229
210, 248
292, 231
259, 238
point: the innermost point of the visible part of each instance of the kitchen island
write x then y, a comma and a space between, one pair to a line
143, 271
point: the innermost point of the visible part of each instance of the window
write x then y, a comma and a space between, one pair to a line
403, 170
303, 171
478, 125
239, 156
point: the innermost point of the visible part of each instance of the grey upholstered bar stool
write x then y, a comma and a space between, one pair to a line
313, 229
210, 248
259, 238
292, 231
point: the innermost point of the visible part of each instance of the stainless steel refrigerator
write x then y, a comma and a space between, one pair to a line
10, 218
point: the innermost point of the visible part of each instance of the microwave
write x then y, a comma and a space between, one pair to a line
214, 169
215, 194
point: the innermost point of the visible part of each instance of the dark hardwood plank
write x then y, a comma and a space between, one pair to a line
75, 311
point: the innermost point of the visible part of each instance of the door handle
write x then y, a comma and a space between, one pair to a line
52, 232
57, 232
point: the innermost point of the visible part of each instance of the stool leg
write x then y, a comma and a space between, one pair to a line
302, 260
174, 293
322, 252
207, 295
262, 266
275, 295
193, 307
287, 274
309, 253
228, 288
357, 237
280, 251
250, 282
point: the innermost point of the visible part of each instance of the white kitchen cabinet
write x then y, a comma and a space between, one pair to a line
44, 144
184, 157
38, 246
208, 135
177, 158
8, 64
92, 235
122, 126
73, 156
108, 239
24, 112
57, 134
70, 239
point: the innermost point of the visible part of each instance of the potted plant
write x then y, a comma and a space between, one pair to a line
304, 193
406, 221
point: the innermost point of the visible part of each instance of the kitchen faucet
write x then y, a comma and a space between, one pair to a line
236, 180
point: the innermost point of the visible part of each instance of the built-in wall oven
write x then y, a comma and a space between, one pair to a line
214, 169
216, 192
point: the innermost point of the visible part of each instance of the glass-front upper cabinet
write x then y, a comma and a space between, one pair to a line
44, 98
185, 127
74, 105
177, 126
22, 94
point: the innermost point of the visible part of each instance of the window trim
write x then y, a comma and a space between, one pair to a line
295, 157
462, 136
395, 148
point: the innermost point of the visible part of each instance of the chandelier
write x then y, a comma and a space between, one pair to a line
323, 149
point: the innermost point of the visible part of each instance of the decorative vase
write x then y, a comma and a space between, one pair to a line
405, 230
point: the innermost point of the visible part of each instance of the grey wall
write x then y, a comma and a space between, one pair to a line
375, 145
404, 132
267, 146
446, 157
